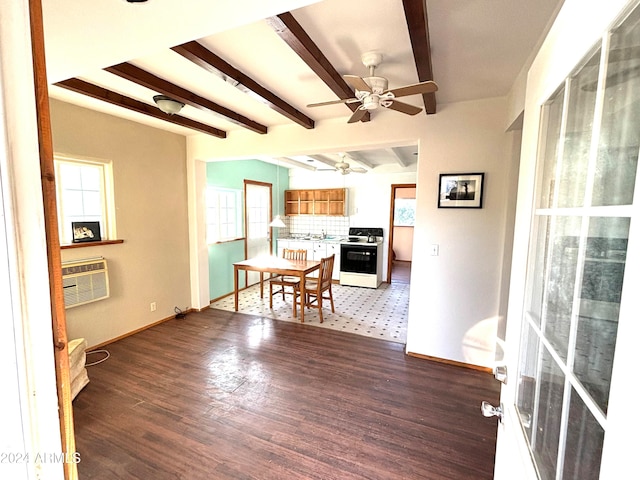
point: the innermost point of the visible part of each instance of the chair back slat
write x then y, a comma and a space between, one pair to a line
326, 271
291, 254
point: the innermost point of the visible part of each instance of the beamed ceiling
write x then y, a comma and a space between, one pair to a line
241, 64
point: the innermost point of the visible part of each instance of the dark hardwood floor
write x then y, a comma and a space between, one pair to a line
400, 271
221, 395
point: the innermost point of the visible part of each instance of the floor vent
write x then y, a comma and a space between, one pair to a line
85, 281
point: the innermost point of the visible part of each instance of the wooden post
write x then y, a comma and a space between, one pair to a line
61, 352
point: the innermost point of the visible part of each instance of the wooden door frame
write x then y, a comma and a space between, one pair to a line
58, 315
392, 208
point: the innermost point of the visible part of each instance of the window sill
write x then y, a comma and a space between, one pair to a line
90, 244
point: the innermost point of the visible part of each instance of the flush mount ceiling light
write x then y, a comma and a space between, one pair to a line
167, 104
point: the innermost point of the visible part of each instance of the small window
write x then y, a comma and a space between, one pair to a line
84, 194
224, 214
404, 214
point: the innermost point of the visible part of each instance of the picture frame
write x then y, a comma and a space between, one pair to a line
86, 232
460, 190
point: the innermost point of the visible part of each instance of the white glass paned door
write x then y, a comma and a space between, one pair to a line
588, 165
257, 214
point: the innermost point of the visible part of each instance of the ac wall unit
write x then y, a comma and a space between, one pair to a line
85, 281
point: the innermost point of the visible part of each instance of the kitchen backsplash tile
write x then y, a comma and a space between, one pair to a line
315, 225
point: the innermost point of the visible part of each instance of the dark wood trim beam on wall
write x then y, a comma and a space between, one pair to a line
288, 28
54, 258
415, 12
205, 58
135, 74
114, 98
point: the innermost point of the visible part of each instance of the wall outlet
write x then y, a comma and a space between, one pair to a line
152, 306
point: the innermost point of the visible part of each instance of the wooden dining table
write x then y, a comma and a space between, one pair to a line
279, 266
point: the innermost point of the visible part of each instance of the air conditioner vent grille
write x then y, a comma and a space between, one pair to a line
85, 281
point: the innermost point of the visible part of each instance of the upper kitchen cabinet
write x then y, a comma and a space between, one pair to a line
328, 201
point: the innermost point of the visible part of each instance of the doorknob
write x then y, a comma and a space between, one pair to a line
489, 410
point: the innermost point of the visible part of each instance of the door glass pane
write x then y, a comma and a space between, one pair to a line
549, 417
527, 380
561, 261
603, 273
552, 122
620, 137
575, 158
536, 281
584, 442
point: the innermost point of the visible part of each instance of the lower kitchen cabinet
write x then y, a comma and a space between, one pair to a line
334, 249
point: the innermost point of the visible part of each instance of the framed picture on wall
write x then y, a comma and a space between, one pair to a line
460, 190
86, 232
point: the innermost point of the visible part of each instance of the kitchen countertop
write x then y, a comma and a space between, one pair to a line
329, 239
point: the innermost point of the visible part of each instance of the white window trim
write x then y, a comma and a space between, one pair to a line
213, 190
108, 206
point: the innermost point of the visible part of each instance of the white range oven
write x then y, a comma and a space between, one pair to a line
361, 258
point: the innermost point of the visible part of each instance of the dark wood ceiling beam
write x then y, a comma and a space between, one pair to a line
288, 28
137, 75
212, 63
114, 98
415, 12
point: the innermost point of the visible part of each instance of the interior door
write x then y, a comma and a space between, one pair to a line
567, 388
257, 217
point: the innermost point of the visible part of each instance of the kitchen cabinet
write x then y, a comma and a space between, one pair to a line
334, 249
328, 201
302, 245
282, 244
319, 251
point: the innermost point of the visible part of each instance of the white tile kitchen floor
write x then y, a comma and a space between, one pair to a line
379, 313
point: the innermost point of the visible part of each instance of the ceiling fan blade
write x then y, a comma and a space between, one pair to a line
415, 89
358, 170
357, 82
357, 115
333, 102
404, 108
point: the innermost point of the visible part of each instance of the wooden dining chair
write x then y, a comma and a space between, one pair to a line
315, 288
284, 281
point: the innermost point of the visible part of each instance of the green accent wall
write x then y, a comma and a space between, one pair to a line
232, 174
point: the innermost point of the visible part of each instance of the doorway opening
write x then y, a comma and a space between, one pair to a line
401, 224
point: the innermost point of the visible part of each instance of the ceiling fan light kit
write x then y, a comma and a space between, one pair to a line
344, 168
167, 104
373, 91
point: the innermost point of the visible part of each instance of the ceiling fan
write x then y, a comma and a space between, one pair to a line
373, 92
344, 168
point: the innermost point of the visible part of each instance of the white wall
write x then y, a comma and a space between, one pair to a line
30, 419
150, 183
454, 297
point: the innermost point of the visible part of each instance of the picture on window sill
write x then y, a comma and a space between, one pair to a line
86, 232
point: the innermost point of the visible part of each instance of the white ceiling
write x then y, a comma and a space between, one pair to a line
478, 48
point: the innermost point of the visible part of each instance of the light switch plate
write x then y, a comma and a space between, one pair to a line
435, 249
